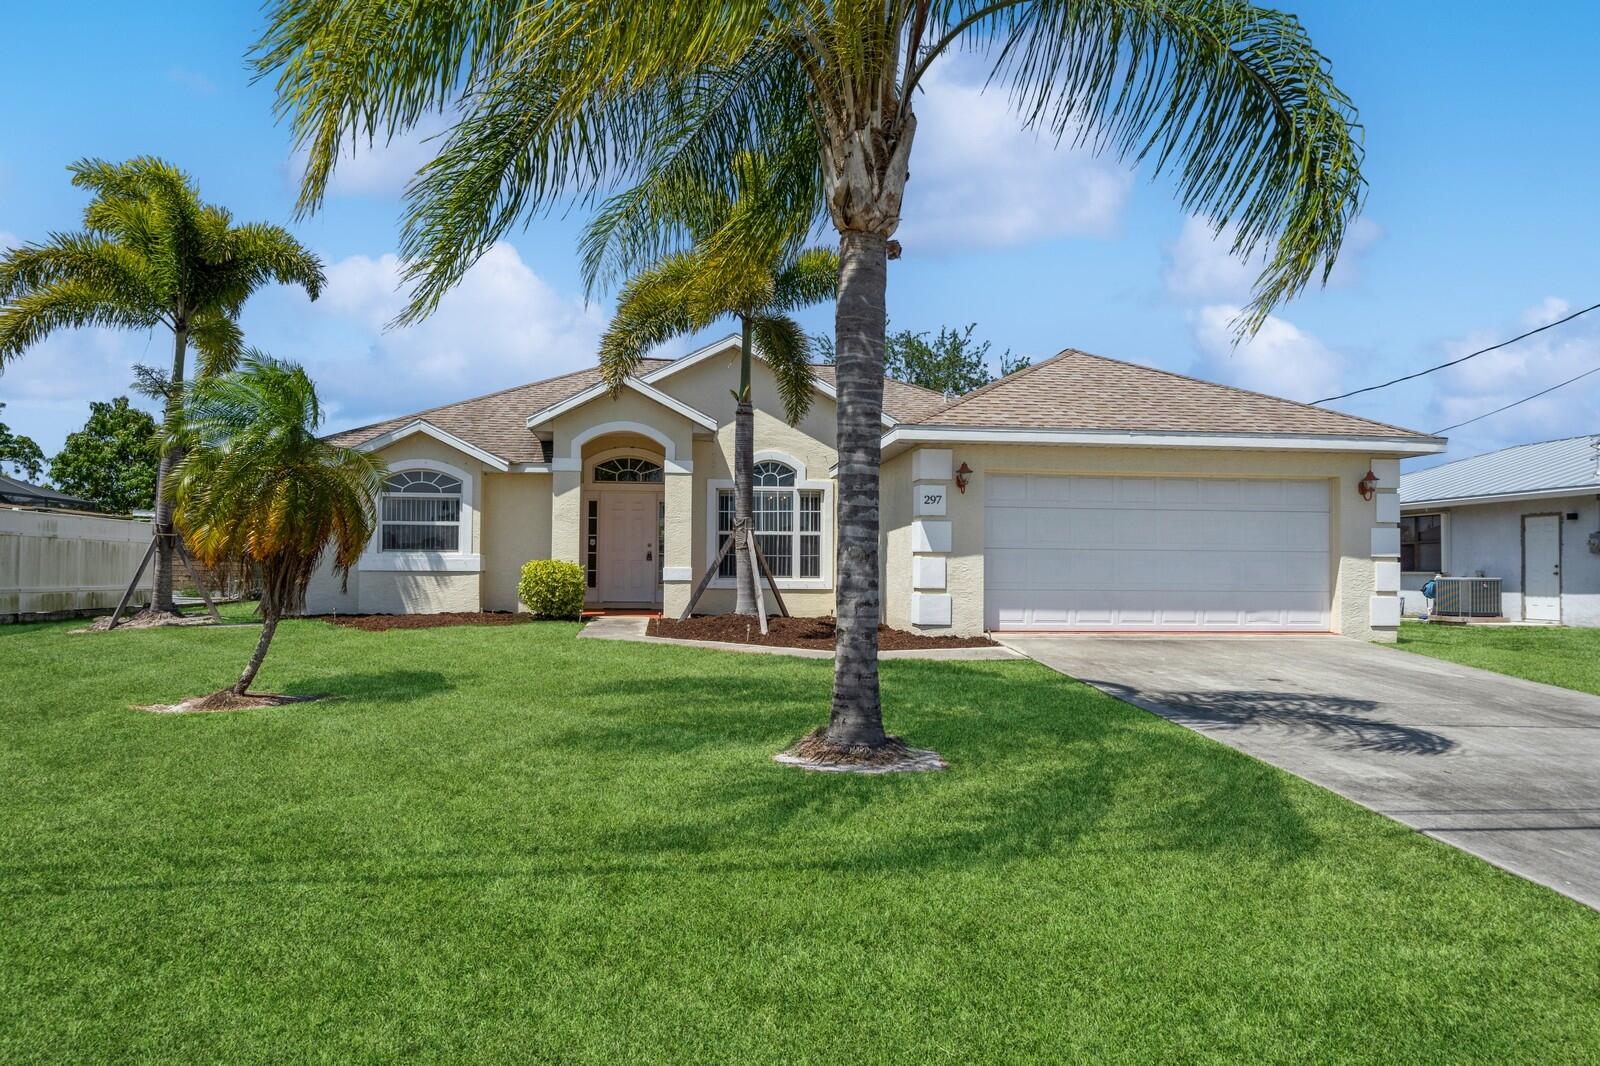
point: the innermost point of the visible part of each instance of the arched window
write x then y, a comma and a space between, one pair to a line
627, 470
420, 511
788, 522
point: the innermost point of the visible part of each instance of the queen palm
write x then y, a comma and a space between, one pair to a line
684, 291
151, 254
255, 482
560, 100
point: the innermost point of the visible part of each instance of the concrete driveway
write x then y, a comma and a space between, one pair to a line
1508, 770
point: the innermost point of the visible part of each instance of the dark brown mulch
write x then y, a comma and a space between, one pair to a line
815, 633
378, 623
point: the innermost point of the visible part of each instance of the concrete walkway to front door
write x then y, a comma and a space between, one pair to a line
1506, 769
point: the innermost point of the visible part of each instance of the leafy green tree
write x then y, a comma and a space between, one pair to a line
951, 363
563, 100
686, 289
256, 482
113, 460
20, 452
151, 254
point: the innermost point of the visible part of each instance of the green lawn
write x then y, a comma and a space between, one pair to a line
1566, 657
504, 844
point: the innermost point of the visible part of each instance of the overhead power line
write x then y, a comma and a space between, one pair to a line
1463, 359
1518, 403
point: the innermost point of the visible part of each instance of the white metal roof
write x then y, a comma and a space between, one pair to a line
1544, 468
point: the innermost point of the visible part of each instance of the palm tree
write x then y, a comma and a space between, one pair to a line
256, 483
684, 291
151, 254
561, 100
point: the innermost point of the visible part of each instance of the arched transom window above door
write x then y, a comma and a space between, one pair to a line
627, 470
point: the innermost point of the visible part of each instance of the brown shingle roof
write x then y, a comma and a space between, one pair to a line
1076, 390
497, 422
901, 402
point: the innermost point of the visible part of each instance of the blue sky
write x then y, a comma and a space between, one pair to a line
1481, 156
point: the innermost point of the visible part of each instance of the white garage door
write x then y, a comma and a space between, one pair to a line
1136, 553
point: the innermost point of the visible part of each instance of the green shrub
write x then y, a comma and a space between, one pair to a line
551, 588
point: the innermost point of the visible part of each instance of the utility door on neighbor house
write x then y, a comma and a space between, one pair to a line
1541, 568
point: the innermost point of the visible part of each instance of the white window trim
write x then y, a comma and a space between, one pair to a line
463, 561
574, 461
824, 580
428, 429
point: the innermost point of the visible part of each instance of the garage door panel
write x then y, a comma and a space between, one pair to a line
1006, 527
1006, 488
1155, 553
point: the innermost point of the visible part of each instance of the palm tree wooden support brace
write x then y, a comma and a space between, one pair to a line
183, 556
761, 561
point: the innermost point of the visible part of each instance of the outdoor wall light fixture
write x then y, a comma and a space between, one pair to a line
1368, 486
962, 476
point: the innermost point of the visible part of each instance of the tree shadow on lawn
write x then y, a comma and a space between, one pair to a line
382, 687
1038, 764
1041, 766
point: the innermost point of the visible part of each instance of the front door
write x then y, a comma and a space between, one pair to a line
1541, 568
629, 563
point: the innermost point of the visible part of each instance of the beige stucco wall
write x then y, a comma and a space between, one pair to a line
375, 591
516, 528
708, 387
1351, 518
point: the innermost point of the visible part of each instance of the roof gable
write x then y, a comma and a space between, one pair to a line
1078, 391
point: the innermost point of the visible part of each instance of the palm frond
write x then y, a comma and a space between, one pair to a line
1232, 98
786, 349
654, 307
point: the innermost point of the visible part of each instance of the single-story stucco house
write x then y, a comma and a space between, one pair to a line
1528, 515
1081, 493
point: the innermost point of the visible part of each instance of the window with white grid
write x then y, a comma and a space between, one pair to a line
788, 523
420, 511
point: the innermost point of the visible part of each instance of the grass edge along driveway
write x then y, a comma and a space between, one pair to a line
501, 844
1555, 655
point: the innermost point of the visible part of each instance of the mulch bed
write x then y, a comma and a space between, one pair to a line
814, 752
378, 623
148, 619
227, 701
817, 633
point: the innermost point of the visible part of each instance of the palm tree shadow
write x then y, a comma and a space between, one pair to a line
387, 686
1339, 721
1037, 767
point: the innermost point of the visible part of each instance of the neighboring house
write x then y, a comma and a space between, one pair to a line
1078, 494
26, 494
1528, 515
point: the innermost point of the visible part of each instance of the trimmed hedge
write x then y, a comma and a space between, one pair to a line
551, 588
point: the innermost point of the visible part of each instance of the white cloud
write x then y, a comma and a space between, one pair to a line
1281, 359
502, 325
1500, 377
381, 169
1201, 264
979, 180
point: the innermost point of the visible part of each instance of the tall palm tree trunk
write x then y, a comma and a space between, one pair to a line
162, 598
268, 627
859, 324
744, 463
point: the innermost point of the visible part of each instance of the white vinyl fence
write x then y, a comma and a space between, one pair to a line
55, 564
